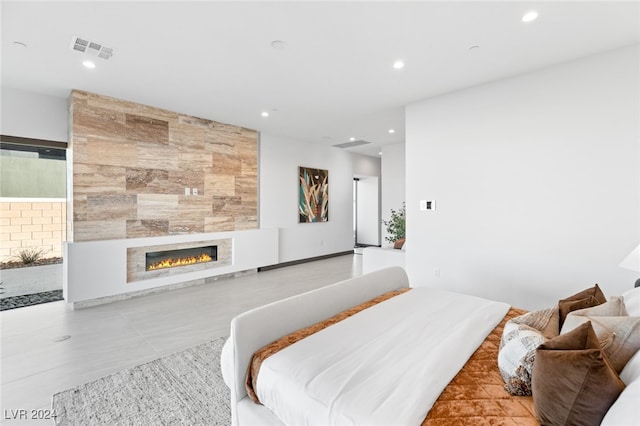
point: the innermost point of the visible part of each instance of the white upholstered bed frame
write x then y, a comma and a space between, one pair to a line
256, 328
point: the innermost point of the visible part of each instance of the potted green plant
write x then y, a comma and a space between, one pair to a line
396, 227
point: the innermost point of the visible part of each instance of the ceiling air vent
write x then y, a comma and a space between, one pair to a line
352, 144
91, 47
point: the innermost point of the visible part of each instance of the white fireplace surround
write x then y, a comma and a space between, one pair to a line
97, 270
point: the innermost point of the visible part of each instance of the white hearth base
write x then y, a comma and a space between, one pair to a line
95, 272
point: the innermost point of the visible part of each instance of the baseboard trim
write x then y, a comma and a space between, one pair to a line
300, 261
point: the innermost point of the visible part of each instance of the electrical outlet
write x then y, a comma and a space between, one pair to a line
187, 191
195, 191
436, 273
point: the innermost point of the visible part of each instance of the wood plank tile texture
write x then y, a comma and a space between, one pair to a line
152, 155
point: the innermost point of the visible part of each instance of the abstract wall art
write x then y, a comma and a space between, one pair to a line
313, 204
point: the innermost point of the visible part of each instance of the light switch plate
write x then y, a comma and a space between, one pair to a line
187, 191
195, 191
427, 205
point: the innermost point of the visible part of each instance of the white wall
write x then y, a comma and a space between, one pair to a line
365, 165
393, 182
279, 162
537, 183
33, 115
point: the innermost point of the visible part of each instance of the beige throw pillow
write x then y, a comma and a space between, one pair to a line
615, 307
619, 334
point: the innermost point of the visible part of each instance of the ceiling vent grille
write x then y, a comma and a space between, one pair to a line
352, 144
91, 47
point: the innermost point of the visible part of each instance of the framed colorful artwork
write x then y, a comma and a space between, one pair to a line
313, 203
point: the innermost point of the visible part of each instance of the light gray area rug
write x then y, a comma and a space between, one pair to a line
185, 388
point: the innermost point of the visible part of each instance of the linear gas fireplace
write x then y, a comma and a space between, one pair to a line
180, 257
172, 259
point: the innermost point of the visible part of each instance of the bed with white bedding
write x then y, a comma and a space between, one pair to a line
317, 382
385, 365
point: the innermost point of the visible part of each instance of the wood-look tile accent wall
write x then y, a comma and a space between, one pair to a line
132, 163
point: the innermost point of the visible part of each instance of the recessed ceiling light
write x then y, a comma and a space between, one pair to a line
474, 48
89, 64
265, 114
278, 44
391, 131
398, 65
352, 139
380, 153
530, 16
19, 43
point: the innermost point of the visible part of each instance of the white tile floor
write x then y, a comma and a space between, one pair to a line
108, 338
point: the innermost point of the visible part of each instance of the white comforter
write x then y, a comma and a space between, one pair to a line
386, 365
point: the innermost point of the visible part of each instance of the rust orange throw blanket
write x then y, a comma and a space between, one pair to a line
476, 395
288, 340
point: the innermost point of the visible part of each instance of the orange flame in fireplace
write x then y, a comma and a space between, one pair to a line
181, 261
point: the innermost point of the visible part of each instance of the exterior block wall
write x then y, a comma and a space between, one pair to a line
32, 225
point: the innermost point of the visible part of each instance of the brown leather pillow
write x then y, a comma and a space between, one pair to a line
572, 381
585, 299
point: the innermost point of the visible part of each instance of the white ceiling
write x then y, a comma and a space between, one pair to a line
333, 80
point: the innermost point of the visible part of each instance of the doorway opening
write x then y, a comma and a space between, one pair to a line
366, 212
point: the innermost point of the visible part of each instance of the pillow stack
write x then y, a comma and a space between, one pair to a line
576, 376
522, 336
